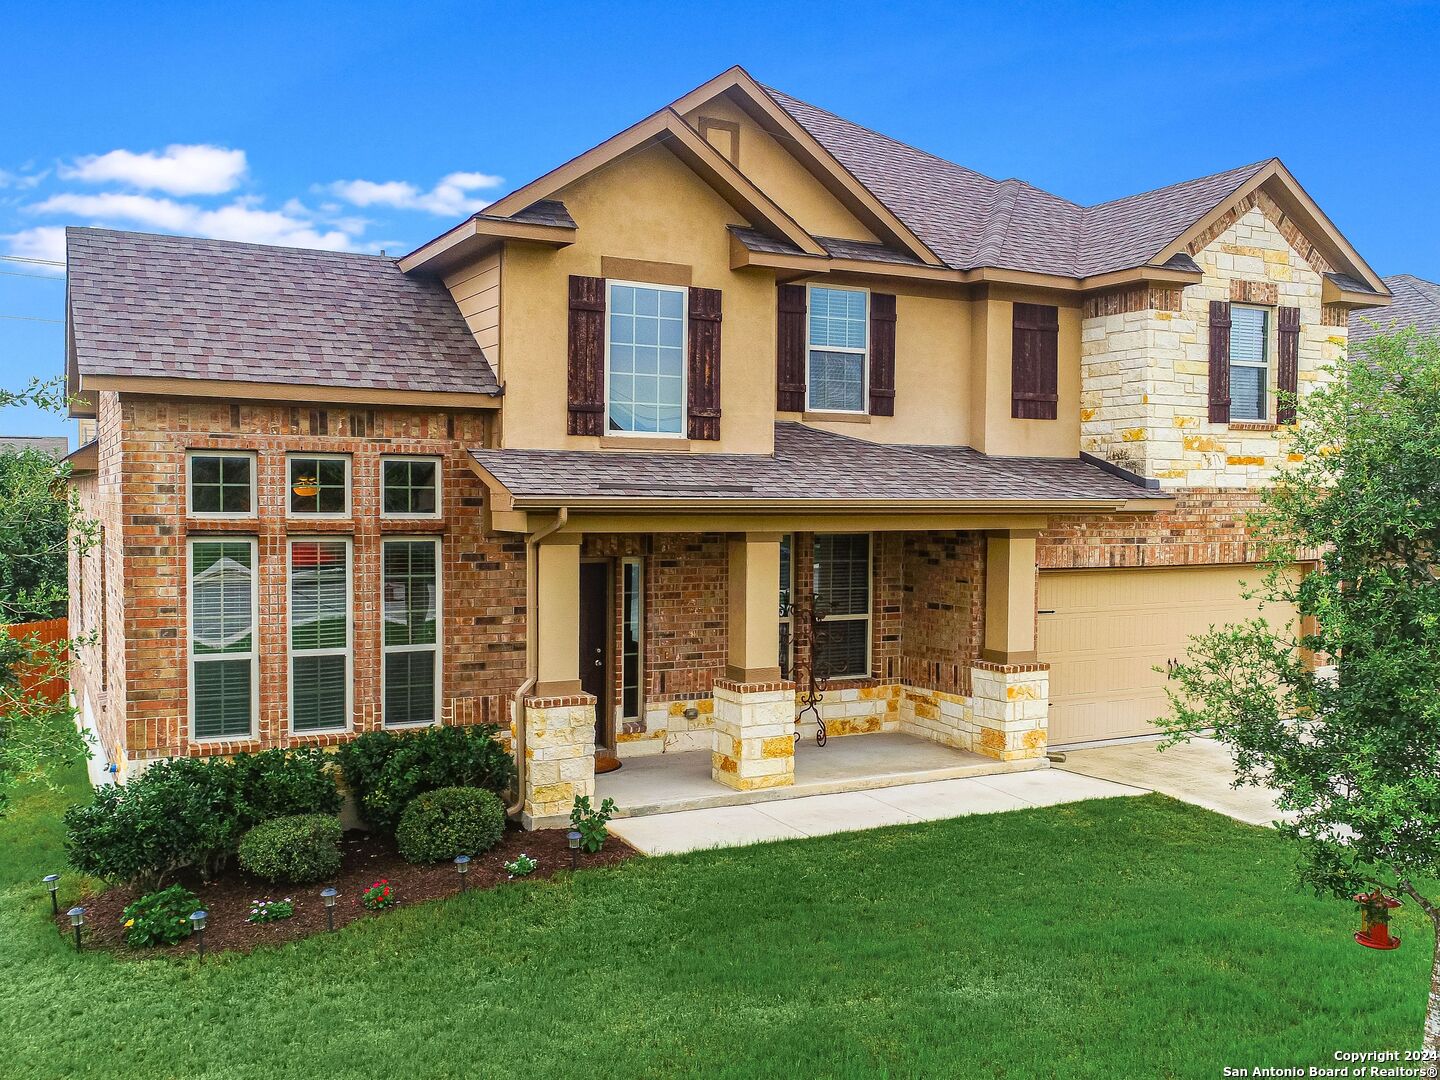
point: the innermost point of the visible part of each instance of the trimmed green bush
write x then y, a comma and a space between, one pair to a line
385, 770
448, 822
160, 918
300, 849
191, 812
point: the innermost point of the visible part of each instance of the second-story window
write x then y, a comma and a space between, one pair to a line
838, 340
319, 485
645, 360
411, 487
1249, 363
222, 485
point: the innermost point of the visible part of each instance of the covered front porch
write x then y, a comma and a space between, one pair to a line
664, 783
699, 616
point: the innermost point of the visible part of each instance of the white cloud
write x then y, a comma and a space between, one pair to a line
448, 198
197, 169
244, 219
46, 242
20, 181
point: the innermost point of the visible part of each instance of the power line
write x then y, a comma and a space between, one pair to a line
32, 318
37, 262
21, 273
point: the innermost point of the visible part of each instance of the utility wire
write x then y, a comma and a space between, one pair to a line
32, 318
37, 262
21, 273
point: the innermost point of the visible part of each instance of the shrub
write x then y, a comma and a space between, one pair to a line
191, 812
590, 823
448, 822
160, 918
386, 770
299, 849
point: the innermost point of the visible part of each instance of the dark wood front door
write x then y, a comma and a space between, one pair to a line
595, 642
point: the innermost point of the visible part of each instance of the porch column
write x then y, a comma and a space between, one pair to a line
1009, 687
560, 718
754, 710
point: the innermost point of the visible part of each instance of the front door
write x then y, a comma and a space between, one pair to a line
595, 642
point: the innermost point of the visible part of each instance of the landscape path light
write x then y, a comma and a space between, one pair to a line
77, 920
462, 865
328, 895
574, 837
198, 920
52, 882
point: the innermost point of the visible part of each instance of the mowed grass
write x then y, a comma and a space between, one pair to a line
1123, 937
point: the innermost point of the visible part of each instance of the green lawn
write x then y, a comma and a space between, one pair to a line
1118, 938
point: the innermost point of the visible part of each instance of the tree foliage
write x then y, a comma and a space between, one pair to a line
1351, 742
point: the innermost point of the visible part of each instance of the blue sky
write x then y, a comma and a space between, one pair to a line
372, 126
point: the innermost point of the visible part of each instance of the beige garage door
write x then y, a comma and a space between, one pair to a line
1103, 632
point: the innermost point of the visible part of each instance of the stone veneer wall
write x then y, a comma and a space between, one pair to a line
483, 575
1145, 372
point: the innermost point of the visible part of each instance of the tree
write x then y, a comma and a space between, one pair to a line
1352, 746
40, 520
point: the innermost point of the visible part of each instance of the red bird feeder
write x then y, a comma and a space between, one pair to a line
1375, 908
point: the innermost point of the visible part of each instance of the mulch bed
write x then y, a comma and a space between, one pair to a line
366, 858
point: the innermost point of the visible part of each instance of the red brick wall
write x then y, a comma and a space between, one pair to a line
944, 609
1207, 527
483, 576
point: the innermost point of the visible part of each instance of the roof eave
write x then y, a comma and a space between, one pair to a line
473, 236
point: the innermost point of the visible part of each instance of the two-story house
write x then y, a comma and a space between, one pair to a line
744, 393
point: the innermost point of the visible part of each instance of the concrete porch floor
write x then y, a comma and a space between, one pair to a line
664, 783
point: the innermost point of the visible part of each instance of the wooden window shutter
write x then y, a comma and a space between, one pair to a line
1219, 361
790, 350
1288, 372
704, 382
1035, 362
586, 368
882, 354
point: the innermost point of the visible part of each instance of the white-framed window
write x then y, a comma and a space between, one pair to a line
319, 485
632, 638
410, 605
320, 641
220, 484
223, 616
410, 487
1249, 363
645, 359
837, 349
841, 582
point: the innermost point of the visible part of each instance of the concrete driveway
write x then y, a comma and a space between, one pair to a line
1199, 772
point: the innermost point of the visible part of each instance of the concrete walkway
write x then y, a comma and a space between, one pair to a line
816, 815
1198, 772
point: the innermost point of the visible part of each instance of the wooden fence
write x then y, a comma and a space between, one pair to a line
35, 680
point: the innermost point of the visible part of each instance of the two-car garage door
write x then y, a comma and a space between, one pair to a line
1104, 631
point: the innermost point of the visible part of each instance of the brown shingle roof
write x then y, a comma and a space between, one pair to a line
180, 307
970, 220
1416, 303
808, 465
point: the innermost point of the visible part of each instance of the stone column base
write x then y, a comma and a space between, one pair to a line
559, 756
754, 735
1010, 707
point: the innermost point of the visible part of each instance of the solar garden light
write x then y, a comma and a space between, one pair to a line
198, 919
462, 864
77, 920
52, 882
328, 895
574, 837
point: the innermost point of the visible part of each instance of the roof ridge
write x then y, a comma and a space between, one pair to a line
1254, 167
250, 244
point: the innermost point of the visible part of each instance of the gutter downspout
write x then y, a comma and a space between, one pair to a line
532, 633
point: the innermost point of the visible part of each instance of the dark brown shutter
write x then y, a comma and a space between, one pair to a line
790, 350
704, 389
1035, 362
1288, 375
1219, 361
882, 354
587, 356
